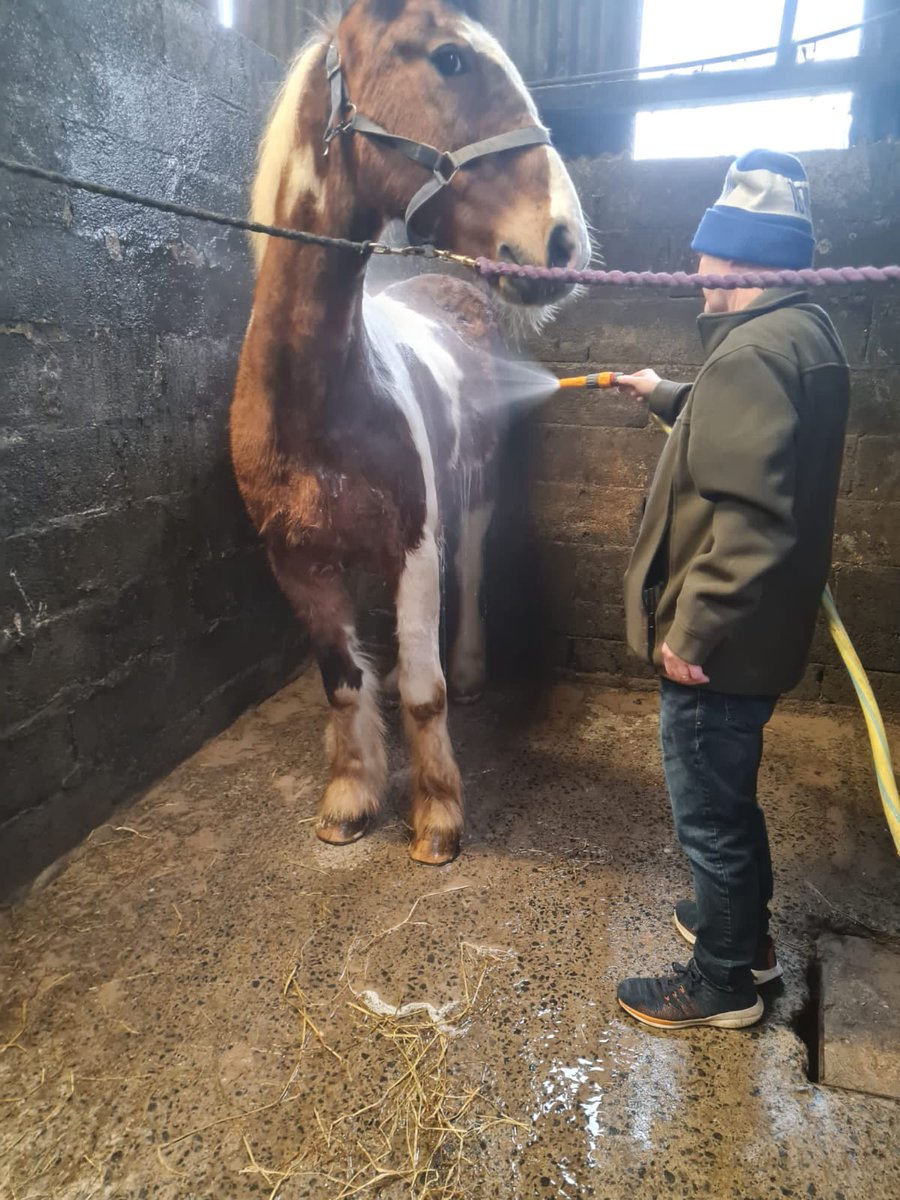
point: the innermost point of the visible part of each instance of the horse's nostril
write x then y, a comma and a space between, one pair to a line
560, 247
505, 253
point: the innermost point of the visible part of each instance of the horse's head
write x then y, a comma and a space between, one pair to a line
427, 71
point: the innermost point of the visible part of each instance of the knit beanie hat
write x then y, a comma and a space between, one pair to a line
763, 215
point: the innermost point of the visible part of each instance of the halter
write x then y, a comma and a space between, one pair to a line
444, 165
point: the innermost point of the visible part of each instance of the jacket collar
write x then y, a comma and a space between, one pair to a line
715, 327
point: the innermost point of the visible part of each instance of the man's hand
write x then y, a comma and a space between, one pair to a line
641, 383
680, 671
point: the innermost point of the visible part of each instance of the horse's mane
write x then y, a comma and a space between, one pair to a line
279, 139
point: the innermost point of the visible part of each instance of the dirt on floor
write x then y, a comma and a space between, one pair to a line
205, 1002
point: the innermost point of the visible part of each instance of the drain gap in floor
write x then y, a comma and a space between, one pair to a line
851, 1022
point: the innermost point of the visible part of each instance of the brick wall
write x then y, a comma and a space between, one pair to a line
137, 615
592, 456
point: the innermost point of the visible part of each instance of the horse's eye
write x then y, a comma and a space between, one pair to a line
450, 61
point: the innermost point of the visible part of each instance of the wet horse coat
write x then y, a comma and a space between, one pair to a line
354, 431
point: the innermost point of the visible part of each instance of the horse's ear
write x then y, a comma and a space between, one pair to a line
386, 10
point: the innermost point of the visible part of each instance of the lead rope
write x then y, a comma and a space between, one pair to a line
485, 267
881, 752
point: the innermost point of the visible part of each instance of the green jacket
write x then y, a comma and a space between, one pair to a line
735, 545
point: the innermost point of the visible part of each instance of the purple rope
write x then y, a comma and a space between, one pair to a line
676, 279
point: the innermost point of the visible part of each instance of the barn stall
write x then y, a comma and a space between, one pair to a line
198, 997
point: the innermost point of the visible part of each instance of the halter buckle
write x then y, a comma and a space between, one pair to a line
446, 169
343, 126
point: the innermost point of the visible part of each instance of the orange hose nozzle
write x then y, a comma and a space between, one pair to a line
602, 379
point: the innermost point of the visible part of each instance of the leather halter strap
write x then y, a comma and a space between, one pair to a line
345, 118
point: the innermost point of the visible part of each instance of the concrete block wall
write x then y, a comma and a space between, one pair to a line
137, 614
592, 456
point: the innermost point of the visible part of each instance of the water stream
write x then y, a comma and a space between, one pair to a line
516, 385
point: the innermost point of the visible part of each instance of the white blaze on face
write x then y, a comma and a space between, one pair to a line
565, 207
486, 44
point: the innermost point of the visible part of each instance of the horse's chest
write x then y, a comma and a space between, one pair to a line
345, 512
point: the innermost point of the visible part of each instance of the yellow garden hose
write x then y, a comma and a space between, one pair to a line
881, 754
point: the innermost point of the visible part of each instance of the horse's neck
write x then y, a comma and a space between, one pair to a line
309, 298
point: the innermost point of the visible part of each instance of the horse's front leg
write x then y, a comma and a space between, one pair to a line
354, 738
437, 806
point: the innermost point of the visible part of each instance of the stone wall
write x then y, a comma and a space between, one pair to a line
592, 455
137, 614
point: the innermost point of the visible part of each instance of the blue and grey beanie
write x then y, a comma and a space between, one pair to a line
763, 215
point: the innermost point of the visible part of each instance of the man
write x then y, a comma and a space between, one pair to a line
724, 585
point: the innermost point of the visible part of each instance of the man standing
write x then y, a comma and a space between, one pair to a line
724, 585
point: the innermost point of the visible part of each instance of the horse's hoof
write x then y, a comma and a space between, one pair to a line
435, 849
342, 833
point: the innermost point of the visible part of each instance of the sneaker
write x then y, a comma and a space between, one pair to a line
766, 966
684, 998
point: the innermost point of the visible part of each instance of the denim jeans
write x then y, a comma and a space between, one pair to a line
712, 747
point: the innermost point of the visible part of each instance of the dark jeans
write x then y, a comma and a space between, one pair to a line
712, 746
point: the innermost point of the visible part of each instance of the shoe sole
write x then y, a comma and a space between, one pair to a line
740, 1019
759, 977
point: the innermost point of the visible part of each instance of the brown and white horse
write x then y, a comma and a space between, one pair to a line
353, 433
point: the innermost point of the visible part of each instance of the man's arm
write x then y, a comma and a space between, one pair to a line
741, 455
666, 399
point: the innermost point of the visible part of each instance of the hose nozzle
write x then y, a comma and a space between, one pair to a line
602, 379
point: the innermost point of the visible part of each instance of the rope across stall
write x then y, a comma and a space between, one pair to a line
485, 267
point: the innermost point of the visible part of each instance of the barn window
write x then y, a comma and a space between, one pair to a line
696, 29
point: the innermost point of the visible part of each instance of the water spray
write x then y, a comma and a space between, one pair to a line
601, 379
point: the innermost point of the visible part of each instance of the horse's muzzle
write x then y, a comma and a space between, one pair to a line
531, 292
560, 252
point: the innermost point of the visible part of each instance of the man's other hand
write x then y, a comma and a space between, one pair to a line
641, 383
680, 671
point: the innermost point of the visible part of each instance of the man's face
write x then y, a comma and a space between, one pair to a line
716, 298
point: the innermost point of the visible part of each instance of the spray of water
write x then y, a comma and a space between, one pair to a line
516, 385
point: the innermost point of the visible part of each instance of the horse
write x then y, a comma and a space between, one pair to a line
354, 434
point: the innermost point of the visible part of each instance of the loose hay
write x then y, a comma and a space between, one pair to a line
418, 1135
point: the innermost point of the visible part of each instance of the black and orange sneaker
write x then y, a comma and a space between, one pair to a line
684, 998
766, 966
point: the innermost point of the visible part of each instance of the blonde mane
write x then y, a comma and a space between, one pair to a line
279, 152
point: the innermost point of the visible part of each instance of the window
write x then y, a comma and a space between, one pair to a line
693, 29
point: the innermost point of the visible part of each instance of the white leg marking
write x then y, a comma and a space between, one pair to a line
355, 746
467, 658
418, 624
437, 814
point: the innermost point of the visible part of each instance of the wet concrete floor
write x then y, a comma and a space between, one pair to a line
185, 1002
